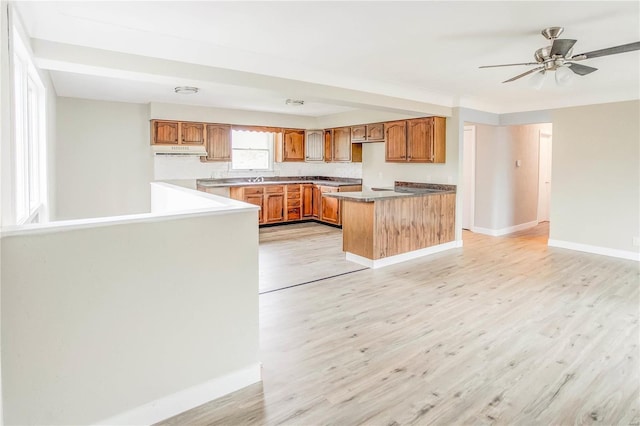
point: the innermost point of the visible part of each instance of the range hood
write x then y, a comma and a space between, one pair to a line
197, 150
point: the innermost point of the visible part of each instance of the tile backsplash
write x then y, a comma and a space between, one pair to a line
187, 167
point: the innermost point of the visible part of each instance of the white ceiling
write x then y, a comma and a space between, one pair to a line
421, 51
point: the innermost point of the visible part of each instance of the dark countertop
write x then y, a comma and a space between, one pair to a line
279, 180
400, 190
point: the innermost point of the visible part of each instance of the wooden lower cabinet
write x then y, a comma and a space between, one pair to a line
307, 200
290, 203
294, 203
330, 210
252, 195
315, 208
274, 202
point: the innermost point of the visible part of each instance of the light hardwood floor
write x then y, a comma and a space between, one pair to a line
299, 253
502, 331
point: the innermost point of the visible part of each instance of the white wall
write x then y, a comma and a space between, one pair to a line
175, 167
103, 158
595, 199
507, 195
376, 172
103, 320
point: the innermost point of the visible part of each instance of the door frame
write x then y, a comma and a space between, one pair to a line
541, 135
472, 189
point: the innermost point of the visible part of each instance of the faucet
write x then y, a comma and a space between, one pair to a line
257, 179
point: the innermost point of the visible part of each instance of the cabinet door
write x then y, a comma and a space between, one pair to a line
420, 140
328, 145
307, 200
165, 132
314, 145
439, 139
316, 202
358, 133
256, 199
274, 208
375, 132
218, 142
341, 144
293, 145
396, 141
192, 133
330, 211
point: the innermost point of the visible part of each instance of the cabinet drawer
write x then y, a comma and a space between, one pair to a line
275, 189
293, 188
324, 189
293, 203
293, 195
253, 190
293, 213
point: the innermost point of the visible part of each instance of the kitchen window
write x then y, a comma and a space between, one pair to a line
29, 135
251, 150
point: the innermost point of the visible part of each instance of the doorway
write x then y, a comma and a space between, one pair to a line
544, 177
468, 177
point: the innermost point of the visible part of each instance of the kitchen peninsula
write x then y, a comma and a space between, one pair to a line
383, 227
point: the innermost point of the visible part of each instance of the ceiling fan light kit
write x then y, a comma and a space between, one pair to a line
559, 57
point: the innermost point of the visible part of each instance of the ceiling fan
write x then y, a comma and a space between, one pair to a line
559, 57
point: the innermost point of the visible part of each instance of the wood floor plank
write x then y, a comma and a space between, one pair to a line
503, 331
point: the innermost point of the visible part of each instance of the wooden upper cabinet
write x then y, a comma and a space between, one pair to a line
164, 132
368, 133
314, 145
358, 133
420, 140
396, 141
341, 146
328, 145
439, 139
191, 133
218, 142
375, 132
290, 145
177, 133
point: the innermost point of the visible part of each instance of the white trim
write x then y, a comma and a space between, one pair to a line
392, 260
504, 231
186, 399
541, 182
605, 251
472, 193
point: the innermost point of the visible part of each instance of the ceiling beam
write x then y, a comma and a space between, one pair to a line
86, 60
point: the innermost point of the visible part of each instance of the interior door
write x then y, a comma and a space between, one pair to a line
544, 175
468, 177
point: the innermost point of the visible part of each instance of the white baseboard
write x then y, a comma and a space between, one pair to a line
622, 254
392, 260
504, 231
187, 399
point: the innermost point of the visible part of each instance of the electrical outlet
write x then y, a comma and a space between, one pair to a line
636, 241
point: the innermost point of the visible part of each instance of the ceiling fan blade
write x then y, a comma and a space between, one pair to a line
562, 46
523, 74
508, 65
608, 51
581, 69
